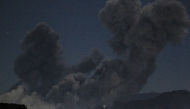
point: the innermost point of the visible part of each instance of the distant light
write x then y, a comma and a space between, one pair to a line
104, 106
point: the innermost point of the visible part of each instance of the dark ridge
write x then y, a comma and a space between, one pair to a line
142, 96
168, 100
12, 106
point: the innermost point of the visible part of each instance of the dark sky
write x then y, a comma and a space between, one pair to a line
77, 22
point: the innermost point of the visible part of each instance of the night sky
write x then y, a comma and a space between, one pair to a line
77, 22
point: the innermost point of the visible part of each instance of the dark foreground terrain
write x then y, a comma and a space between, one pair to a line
12, 106
168, 100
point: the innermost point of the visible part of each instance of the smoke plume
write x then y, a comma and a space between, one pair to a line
89, 63
143, 32
40, 65
145, 37
119, 16
32, 101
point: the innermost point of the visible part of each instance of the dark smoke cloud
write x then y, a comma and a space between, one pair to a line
119, 16
163, 20
40, 65
65, 91
171, 17
157, 23
89, 63
143, 32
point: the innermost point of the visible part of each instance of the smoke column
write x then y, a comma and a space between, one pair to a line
119, 16
142, 32
40, 65
145, 36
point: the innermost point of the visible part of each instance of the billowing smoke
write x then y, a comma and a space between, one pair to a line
40, 65
119, 16
142, 32
154, 25
89, 63
19, 96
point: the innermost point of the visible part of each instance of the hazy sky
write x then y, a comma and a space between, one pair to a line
77, 22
